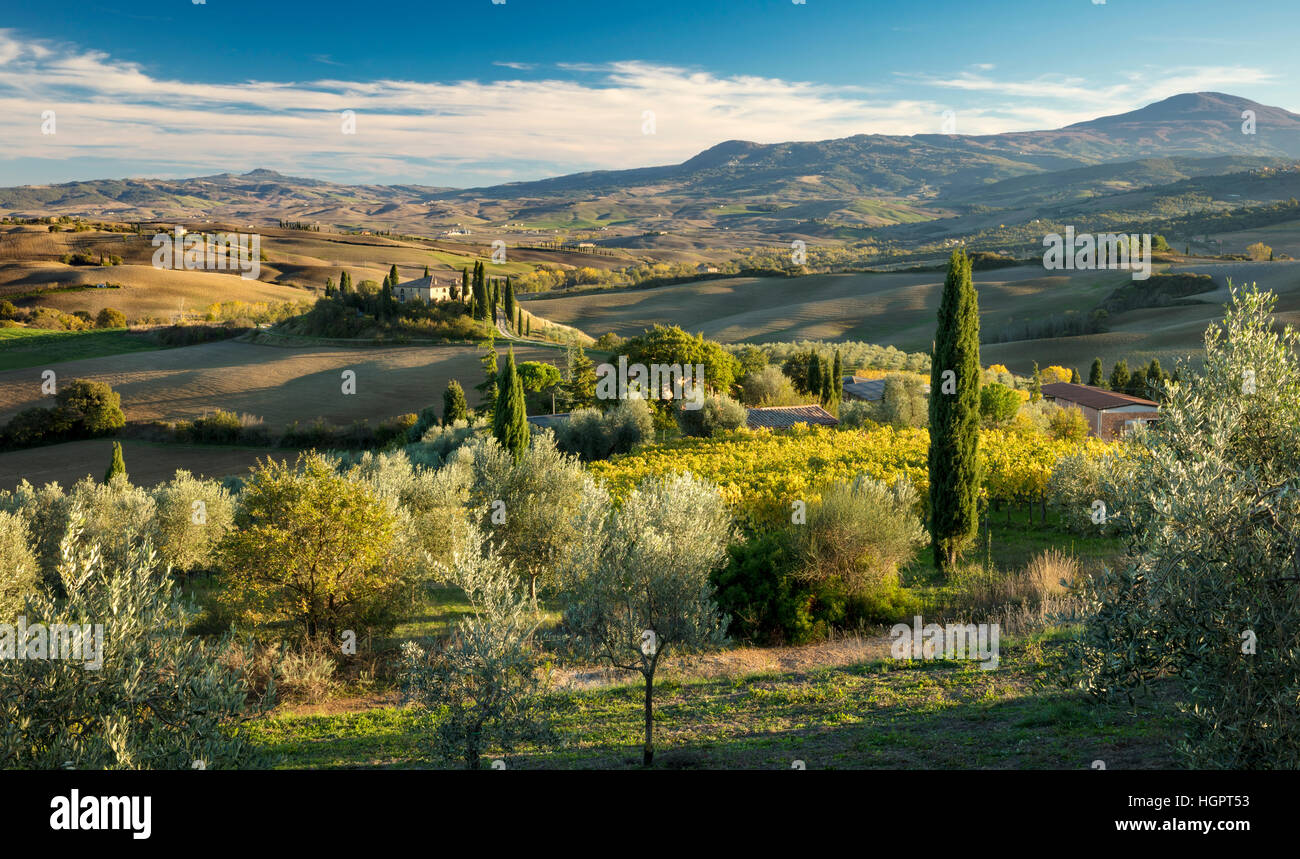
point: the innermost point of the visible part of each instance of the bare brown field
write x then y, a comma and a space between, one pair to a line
146, 291
146, 464
278, 384
889, 309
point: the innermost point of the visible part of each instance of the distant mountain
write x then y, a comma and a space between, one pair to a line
861, 181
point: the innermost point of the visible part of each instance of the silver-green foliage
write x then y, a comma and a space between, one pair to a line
480, 690
1211, 587
161, 700
636, 583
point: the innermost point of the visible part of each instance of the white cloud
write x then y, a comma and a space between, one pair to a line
581, 117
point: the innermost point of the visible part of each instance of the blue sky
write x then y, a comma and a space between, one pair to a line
474, 92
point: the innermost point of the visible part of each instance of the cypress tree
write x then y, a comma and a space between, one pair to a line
1095, 377
426, 271
392, 275
117, 466
488, 387
837, 377
509, 419
345, 283
814, 382
579, 386
1074, 376
454, 407
1119, 376
511, 306
1036, 385
828, 384
464, 285
954, 417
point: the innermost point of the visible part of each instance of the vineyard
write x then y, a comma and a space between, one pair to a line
761, 474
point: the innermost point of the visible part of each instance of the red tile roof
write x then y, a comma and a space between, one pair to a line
1094, 398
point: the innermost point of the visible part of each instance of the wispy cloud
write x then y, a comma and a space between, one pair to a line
577, 117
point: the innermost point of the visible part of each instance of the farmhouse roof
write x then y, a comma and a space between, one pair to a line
429, 282
784, 417
1094, 398
864, 389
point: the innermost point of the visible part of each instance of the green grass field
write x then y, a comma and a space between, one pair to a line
33, 347
876, 714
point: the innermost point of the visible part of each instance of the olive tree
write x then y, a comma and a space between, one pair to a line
19, 575
636, 583
480, 688
526, 506
1209, 589
148, 697
191, 515
312, 548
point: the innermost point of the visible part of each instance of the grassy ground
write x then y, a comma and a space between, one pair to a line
875, 714
35, 347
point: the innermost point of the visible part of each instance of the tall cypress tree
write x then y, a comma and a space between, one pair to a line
1036, 385
488, 387
464, 285
510, 420
511, 306
954, 416
814, 381
1095, 377
837, 377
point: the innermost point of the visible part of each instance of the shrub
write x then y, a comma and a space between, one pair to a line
717, 414
482, 687
768, 386
110, 318
1213, 509
161, 699
116, 517
859, 533
591, 434
19, 574
998, 404
311, 548
1068, 424
759, 590
191, 516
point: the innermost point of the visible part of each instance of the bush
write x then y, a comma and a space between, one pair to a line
313, 549
768, 604
1213, 510
998, 404
87, 409
591, 434
161, 699
718, 414
19, 574
858, 535
191, 517
110, 318
482, 687
768, 386
1067, 424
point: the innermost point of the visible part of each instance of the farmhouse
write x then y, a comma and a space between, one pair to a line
425, 289
785, 417
1108, 413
